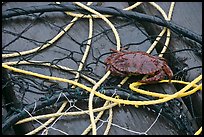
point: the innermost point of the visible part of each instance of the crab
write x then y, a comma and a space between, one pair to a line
125, 63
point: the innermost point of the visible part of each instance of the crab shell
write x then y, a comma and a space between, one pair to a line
135, 63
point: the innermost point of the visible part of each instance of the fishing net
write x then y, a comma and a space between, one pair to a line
55, 80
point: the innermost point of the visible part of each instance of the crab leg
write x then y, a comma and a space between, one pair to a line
160, 75
168, 72
115, 72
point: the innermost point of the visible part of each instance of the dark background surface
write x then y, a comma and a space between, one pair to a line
186, 14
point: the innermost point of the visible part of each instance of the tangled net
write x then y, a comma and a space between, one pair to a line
62, 76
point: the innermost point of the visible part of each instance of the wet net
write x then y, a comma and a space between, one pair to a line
55, 80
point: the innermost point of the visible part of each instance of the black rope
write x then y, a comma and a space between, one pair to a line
42, 103
105, 10
80, 94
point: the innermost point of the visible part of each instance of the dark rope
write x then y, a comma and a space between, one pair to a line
105, 10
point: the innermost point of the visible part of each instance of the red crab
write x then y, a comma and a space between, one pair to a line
123, 63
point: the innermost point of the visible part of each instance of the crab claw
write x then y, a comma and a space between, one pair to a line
168, 72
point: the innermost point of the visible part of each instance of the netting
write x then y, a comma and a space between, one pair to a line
58, 75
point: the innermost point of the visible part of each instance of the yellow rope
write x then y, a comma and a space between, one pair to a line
24, 53
164, 29
49, 43
79, 15
44, 125
168, 31
110, 118
86, 52
156, 41
160, 95
65, 102
121, 101
199, 131
41, 63
161, 33
85, 57
91, 99
65, 114
105, 19
108, 73
96, 120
